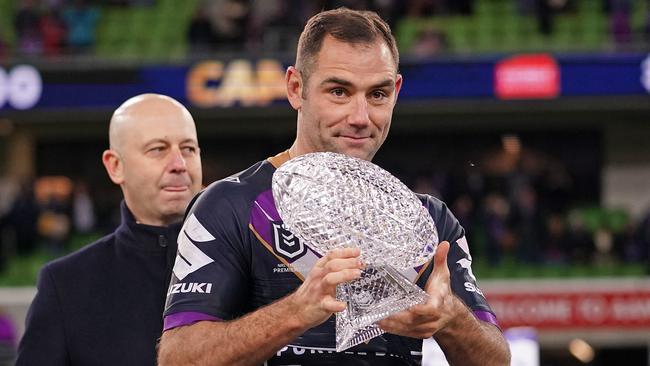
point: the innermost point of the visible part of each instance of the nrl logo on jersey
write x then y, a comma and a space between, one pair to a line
286, 244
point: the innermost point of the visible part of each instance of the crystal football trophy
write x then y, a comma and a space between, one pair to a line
329, 201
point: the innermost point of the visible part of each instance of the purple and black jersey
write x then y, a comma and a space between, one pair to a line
235, 256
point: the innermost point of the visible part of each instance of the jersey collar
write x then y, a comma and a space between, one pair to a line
279, 159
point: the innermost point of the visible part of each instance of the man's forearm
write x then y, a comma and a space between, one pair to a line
469, 341
249, 340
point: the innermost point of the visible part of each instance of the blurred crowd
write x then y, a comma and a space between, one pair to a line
53, 27
529, 217
43, 215
527, 208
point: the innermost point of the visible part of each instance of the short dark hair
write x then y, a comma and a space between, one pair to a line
346, 25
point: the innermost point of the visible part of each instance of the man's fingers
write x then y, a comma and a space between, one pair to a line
424, 330
416, 314
403, 317
425, 310
335, 278
440, 267
340, 253
330, 304
388, 324
336, 265
440, 258
415, 330
343, 253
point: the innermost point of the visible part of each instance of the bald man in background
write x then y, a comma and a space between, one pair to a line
103, 304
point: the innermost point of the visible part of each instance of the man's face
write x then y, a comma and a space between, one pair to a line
347, 103
161, 165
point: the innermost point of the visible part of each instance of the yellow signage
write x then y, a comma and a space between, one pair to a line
239, 81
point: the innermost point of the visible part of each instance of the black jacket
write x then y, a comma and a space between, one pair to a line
103, 304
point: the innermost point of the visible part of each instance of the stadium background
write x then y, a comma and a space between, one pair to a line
529, 118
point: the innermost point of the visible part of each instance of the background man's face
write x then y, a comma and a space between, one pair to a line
161, 165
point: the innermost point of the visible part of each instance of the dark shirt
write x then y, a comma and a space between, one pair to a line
103, 304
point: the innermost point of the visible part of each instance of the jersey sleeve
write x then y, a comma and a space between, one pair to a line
210, 279
459, 260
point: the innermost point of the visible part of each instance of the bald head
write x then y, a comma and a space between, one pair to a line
142, 109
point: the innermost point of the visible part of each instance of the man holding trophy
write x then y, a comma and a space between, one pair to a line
260, 271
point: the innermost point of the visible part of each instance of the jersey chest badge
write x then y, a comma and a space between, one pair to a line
285, 242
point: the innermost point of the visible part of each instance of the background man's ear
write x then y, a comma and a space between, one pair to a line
114, 166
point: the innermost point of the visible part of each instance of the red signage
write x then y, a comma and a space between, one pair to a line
527, 77
577, 309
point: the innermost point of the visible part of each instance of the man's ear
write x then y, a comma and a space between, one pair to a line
398, 85
294, 87
114, 166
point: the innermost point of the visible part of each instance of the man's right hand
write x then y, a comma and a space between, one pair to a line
315, 300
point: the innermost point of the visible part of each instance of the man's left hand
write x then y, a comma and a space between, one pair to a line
423, 320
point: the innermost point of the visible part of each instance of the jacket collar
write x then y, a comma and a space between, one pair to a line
146, 237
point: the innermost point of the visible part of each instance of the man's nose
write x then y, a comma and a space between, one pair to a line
359, 114
177, 162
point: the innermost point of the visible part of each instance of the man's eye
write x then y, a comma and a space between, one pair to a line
338, 92
379, 94
189, 149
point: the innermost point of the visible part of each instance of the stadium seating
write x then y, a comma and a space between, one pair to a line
155, 32
158, 32
496, 26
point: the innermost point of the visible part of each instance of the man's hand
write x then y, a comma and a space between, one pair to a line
464, 339
315, 300
423, 320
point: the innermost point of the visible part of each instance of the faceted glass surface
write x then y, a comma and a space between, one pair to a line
380, 292
330, 201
